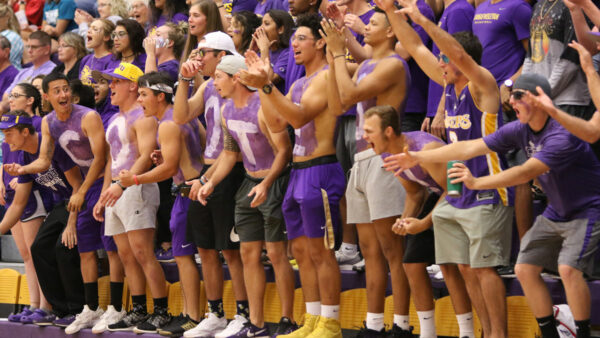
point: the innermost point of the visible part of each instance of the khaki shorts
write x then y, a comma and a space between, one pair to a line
135, 210
372, 192
479, 236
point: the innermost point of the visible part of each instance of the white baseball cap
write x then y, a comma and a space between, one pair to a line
218, 40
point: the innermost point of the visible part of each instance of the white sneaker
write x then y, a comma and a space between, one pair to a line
86, 319
109, 317
433, 269
235, 326
208, 327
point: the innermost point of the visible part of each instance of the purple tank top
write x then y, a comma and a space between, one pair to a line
212, 116
464, 121
361, 107
191, 145
306, 139
119, 135
416, 140
69, 136
243, 126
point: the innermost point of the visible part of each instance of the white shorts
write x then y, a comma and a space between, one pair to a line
372, 192
135, 210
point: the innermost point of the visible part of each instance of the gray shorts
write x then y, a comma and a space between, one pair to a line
479, 236
372, 192
265, 222
549, 244
135, 210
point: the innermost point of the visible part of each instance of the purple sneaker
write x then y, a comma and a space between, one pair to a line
16, 317
64, 321
165, 256
46, 320
251, 330
38, 314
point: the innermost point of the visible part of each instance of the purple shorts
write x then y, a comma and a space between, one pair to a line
90, 232
302, 206
178, 223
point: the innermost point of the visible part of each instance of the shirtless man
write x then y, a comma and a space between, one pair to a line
181, 158
473, 230
212, 233
130, 215
258, 216
79, 132
375, 198
315, 169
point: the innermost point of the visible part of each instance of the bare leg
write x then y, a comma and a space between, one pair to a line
494, 296
212, 272
349, 234
535, 289
420, 285
24, 235
284, 276
141, 245
577, 291
254, 277
474, 290
308, 270
89, 266
328, 271
523, 209
456, 286
135, 274
236, 271
117, 272
375, 267
190, 284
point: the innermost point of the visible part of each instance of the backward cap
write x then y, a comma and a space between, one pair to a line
530, 81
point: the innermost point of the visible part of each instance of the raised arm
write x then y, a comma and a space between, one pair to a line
184, 109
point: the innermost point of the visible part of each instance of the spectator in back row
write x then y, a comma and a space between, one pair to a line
9, 28
113, 10
243, 24
71, 49
128, 39
140, 12
7, 70
58, 17
163, 11
163, 49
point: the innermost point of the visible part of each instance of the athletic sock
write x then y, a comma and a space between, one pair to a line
349, 249
374, 321
216, 307
465, 325
583, 328
427, 324
330, 311
243, 309
139, 303
402, 322
91, 295
161, 305
548, 327
313, 308
116, 295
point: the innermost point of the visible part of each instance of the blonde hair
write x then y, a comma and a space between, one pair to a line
119, 8
13, 23
76, 41
213, 23
177, 34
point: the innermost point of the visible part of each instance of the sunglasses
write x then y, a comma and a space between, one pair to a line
203, 52
444, 58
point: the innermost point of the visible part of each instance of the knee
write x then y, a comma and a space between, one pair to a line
369, 248
465, 269
231, 256
526, 273
277, 253
250, 254
568, 273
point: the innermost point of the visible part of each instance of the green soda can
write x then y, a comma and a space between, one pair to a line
454, 190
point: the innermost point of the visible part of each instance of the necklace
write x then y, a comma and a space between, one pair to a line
542, 14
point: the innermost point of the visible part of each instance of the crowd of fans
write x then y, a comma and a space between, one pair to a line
303, 134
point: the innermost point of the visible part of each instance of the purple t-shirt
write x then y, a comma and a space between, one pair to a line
106, 110
177, 18
90, 63
416, 101
53, 179
262, 8
27, 74
6, 77
500, 28
171, 67
458, 17
279, 63
365, 18
572, 184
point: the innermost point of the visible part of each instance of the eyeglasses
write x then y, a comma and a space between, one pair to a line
518, 94
64, 46
444, 58
203, 52
103, 5
118, 35
15, 96
301, 38
33, 46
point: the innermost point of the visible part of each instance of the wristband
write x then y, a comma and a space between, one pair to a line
183, 78
203, 180
341, 55
135, 180
120, 185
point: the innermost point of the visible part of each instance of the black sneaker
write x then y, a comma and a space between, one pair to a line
285, 326
178, 326
153, 323
397, 332
131, 320
365, 332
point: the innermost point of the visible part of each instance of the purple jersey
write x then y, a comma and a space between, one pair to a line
191, 145
176, 19
6, 77
416, 101
69, 136
500, 28
458, 17
416, 140
121, 139
170, 67
573, 182
366, 68
90, 63
244, 127
279, 64
306, 138
464, 121
263, 7
106, 110
53, 179
212, 115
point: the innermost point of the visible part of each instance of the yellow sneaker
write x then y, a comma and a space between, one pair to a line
327, 328
310, 323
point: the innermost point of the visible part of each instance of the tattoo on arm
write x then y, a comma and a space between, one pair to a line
49, 150
229, 142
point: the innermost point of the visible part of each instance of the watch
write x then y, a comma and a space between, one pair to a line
183, 78
268, 88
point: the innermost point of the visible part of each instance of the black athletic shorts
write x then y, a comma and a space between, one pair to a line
420, 248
